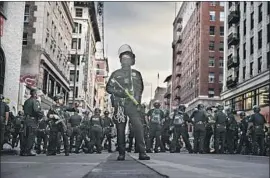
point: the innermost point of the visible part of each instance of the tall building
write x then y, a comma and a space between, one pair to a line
85, 36
11, 39
46, 44
167, 95
198, 54
247, 56
159, 95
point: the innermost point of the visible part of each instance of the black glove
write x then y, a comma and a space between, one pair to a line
120, 93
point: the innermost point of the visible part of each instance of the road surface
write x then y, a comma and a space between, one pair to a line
176, 165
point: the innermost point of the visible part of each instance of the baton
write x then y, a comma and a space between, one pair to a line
131, 97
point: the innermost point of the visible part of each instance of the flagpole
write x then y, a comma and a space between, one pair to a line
158, 80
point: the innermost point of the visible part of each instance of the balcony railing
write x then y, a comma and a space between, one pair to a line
233, 38
233, 17
231, 81
233, 61
178, 27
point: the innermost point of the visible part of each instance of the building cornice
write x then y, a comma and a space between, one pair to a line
93, 18
68, 13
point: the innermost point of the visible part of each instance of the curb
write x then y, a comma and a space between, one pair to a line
149, 167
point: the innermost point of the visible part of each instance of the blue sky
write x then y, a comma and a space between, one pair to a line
147, 28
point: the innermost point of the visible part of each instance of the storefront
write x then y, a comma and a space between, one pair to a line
245, 101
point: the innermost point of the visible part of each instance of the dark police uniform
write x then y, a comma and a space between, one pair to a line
258, 135
156, 116
220, 131
17, 126
42, 135
132, 81
32, 112
179, 121
200, 121
243, 137
74, 122
108, 124
96, 132
231, 127
4, 108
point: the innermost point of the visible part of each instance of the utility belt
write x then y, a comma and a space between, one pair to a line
259, 127
221, 126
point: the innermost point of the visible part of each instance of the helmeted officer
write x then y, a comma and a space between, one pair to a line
258, 121
17, 127
4, 117
42, 135
57, 124
156, 116
32, 112
231, 127
131, 81
209, 129
96, 130
179, 121
85, 129
165, 135
74, 122
107, 125
200, 121
243, 125
220, 119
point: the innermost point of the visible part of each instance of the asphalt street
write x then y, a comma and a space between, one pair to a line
184, 165
176, 165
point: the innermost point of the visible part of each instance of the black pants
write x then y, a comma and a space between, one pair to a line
244, 142
208, 135
155, 133
42, 136
220, 135
15, 135
199, 136
258, 139
75, 134
57, 130
96, 134
230, 141
178, 131
29, 135
135, 118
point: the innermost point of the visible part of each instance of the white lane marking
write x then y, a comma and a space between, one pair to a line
64, 163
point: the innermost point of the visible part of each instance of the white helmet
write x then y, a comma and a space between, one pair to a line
124, 48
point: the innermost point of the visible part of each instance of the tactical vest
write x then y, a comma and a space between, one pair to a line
156, 116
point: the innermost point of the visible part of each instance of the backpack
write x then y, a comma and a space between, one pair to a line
178, 119
155, 117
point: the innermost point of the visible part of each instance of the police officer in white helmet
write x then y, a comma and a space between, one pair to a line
130, 80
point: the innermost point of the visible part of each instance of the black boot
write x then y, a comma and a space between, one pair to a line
144, 156
66, 153
121, 157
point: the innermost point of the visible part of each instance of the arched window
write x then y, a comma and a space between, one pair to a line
2, 70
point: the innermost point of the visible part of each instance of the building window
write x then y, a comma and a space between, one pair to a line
221, 62
211, 77
212, 15
72, 76
260, 39
244, 50
260, 12
221, 46
259, 64
220, 78
248, 100
221, 31
212, 30
24, 42
222, 3
73, 59
221, 16
26, 13
245, 27
77, 28
251, 69
211, 61
79, 12
245, 6
251, 45
74, 43
244, 72
213, 3
252, 20
268, 7
212, 45
211, 92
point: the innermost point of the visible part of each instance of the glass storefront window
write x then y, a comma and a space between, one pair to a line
248, 103
239, 106
263, 96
